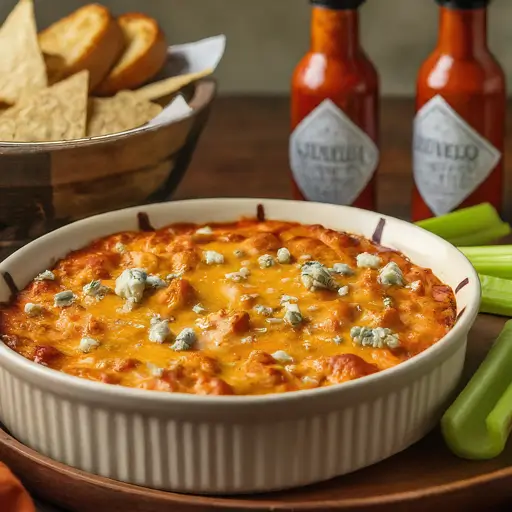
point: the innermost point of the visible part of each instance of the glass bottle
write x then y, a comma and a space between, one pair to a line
334, 111
460, 116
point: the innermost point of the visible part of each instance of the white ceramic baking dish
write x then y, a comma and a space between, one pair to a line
235, 444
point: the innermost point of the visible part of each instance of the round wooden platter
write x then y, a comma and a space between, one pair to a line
420, 478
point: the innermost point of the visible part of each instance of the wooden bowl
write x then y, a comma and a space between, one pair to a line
46, 185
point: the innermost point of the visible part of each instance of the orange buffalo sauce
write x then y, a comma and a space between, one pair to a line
460, 120
245, 308
334, 110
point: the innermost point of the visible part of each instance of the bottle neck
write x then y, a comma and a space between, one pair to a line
335, 32
463, 32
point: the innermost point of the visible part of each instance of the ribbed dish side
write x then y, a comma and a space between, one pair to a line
208, 457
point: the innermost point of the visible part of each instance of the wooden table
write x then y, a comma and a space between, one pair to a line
244, 152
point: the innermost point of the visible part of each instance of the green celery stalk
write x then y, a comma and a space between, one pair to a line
496, 295
495, 251
476, 225
501, 269
478, 423
484, 236
494, 260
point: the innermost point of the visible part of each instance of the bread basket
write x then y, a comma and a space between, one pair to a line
48, 184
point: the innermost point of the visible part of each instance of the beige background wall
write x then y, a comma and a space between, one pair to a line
267, 37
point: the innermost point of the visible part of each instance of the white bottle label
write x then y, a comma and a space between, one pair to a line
332, 159
450, 159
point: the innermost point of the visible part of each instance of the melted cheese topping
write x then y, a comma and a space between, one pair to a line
228, 310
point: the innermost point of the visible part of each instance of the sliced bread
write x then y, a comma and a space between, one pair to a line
143, 58
89, 38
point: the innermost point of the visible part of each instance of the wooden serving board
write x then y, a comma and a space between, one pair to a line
419, 479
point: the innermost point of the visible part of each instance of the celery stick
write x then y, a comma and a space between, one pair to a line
499, 420
501, 269
477, 424
468, 226
484, 236
493, 260
488, 251
496, 295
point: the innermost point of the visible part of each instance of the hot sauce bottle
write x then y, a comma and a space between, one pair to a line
334, 110
460, 120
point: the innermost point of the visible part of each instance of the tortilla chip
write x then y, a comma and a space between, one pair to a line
56, 113
22, 67
122, 112
168, 86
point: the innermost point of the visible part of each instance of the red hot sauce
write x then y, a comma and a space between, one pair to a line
460, 120
334, 109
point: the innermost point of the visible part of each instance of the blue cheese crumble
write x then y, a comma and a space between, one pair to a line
343, 291
293, 316
337, 340
266, 261
154, 370
388, 302
32, 309
367, 260
378, 337
95, 289
198, 309
203, 324
263, 310
120, 248
241, 275
415, 286
391, 274
236, 277
287, 298
245, 272
315, 276
249, 296
87, 344
213, 258
159, 330
130, 285
185, 340
282, 357
153, 281
64, 299
284, 256
342, 269
47, 275
206, 230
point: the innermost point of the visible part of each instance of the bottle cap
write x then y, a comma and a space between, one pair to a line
338, 5
463, 4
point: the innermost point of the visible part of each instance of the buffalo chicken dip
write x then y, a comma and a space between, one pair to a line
245, 308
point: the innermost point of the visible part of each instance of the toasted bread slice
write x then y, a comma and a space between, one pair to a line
143, 58
88, 38
22, 68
